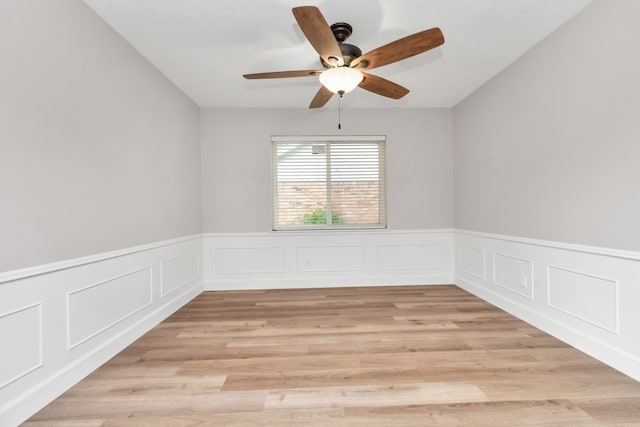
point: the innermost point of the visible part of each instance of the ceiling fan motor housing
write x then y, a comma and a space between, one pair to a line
342, 31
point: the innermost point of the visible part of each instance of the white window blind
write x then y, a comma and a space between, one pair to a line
328, 182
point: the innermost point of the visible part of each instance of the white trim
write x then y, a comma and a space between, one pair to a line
40, 362
484, 262
180, 285
316, 233
617, 358
70, 345
328, 227
62, 360
616, 285
598, 250
504, 286
292, 166
33, 399
362, 268
327, 138
318, 281
23, 273
616, 350
614, 344
417, 245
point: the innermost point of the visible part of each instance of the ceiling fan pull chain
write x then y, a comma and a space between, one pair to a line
339, 111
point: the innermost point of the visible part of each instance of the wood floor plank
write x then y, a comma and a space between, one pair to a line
65, 422
265, 332
427, 362
392, 336
386, 395
372, 356
536, 413
333, 417
613, 410
130, 405
148, 386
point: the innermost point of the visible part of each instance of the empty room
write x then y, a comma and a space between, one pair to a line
363, 213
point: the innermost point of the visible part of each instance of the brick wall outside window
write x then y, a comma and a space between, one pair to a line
298, 198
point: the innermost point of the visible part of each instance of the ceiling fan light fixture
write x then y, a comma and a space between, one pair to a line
341, 80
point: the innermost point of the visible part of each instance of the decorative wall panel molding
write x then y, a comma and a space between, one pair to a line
249, 260
323, 259
94, 308
64, 320
22, 353
330, 258
472, 261
411, 257
514, 274
569, 290
178, 272
584, 296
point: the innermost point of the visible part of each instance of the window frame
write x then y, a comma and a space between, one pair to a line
334, 139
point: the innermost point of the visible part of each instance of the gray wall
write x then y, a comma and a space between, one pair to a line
550, 148
98, 150
236, 171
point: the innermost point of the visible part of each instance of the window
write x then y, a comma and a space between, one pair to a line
328, 182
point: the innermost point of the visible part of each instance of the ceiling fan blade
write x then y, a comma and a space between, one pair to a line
319, 34
383, 87
400, 49
322, 97
281, 74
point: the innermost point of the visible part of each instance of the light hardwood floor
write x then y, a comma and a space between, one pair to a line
378, 356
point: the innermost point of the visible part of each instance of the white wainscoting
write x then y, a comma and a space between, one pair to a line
61, 321
585, 296
280, 259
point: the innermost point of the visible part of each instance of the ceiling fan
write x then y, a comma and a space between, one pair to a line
344, 64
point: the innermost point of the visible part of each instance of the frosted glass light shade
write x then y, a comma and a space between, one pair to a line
341, 79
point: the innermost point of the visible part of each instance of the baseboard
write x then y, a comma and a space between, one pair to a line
584, 296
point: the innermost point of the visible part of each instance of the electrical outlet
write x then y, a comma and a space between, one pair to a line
524, 281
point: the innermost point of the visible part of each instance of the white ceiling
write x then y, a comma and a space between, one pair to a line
204, 46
